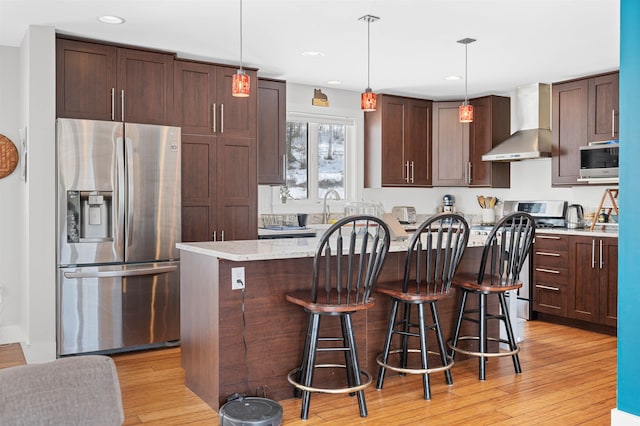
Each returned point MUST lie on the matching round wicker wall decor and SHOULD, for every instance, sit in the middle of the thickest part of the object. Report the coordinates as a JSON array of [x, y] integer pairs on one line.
[[8, 156]]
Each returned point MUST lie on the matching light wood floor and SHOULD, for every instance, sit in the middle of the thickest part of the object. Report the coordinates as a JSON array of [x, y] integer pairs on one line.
[[568, 378]]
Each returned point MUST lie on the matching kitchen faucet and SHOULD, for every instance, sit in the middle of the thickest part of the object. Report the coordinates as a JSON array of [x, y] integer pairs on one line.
[[325, 207]]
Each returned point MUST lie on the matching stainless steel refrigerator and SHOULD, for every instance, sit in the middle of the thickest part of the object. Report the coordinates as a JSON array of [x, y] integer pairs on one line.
[[118, 222]]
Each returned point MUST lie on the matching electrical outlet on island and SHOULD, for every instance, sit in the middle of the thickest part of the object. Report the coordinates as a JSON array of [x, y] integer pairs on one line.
[[237, 278]]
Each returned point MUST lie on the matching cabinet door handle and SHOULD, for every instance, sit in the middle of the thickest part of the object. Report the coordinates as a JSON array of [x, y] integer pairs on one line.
[[221, 118], [222, 235], [213, 125], [543, 253], [593, 254], [113, 104], [549, 271], [548, 237], [406, 173], [613, 123], [601, 260], [546, 287], [469, 168], [122, 104], [213, 235], [413, 170]]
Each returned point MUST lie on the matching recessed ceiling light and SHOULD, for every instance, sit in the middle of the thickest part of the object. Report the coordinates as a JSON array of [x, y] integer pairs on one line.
[[334, 82], [453, 77], [111, 19], [310, 53]]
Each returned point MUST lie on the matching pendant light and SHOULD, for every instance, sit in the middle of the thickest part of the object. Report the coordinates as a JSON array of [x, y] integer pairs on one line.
[[368, 98], [240, 83], [465, 111]]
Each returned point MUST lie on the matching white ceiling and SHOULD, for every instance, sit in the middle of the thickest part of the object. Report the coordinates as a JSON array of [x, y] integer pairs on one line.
[[413, 45]]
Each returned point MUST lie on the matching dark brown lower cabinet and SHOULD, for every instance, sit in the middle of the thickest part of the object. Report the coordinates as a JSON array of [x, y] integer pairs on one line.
[[593, 296], [576, 278]]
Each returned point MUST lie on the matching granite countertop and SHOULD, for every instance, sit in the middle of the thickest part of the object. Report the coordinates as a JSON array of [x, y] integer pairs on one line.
[[286, 248], [610, 231], [291, 248]]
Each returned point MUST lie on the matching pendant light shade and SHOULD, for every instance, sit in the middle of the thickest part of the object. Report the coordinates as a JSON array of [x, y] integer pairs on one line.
[[368, 97], [368, 101], [465, 111], [240, 84]]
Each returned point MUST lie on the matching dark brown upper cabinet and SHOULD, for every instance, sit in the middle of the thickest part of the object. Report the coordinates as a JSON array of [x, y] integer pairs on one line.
[[458, 147], [398, 143], [584, 110], [272, 124], [103, 82], [204, 104]]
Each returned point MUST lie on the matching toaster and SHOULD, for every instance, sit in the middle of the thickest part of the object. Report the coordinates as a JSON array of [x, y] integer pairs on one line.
[[404, 214]]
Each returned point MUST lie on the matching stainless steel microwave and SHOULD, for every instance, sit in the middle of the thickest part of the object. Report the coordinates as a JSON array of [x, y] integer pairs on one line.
[[599, 161]]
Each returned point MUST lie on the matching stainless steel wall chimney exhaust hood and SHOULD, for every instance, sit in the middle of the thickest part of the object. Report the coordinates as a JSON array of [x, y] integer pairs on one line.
[[533, 116]]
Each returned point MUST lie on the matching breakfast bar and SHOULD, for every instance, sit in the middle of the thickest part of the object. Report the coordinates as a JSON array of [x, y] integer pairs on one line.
[[247, 340]]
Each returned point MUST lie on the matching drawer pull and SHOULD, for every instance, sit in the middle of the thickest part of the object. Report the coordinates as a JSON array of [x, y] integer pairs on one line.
[[548, 237], [546, 287], [542, 253], [551, 271]]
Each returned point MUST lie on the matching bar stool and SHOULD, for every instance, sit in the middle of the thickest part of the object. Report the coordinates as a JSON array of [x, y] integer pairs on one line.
[[504, 253], [347, 262], [432, 258]]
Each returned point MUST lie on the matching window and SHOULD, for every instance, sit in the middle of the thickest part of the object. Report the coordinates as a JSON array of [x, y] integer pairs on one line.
[[317, 156]]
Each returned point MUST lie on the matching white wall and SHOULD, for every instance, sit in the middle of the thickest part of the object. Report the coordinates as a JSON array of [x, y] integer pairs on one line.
[[12, 196], [530, 179], [38, 70], [27, 246]]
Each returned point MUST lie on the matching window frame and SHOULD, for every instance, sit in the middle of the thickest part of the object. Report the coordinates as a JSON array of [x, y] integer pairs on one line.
[[350, 168]]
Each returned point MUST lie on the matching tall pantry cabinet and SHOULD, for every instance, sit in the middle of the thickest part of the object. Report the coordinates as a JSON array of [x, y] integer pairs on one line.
[[219, 161]]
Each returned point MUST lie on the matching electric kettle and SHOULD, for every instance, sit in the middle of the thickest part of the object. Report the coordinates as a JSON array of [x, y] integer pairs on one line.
[[575, 216]]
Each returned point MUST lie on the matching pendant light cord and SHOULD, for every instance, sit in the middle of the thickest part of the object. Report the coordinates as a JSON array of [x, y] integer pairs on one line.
[[240, 35], [368, 53], [466, 50]]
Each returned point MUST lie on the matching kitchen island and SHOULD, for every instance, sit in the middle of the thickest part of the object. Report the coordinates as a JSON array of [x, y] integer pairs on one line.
[[247, 341]]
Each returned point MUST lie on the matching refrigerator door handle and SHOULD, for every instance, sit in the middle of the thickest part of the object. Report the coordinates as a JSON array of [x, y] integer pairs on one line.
[[130, 192], [127, 273], [118, 231]]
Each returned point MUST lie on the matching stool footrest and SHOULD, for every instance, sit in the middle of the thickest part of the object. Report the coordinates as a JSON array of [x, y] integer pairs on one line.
[[483, 354], [352, 389], [408, 370]]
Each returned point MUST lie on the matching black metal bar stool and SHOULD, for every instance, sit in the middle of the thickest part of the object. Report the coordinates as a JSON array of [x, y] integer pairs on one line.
[[347, 263], [504, 253], [432, 258]]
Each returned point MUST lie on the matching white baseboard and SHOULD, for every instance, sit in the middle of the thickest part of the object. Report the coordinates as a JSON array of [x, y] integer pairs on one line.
[[622, 418]]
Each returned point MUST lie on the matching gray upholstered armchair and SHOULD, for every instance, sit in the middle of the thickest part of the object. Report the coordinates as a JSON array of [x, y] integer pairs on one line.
[[81, 390]]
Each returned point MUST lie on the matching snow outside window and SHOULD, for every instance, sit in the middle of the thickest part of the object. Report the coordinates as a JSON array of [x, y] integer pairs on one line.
[[316, 157]]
